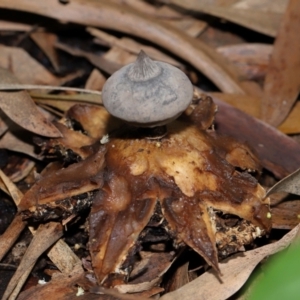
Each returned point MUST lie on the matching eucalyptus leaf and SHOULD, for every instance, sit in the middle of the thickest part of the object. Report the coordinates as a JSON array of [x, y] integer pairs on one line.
[[289, 184], [20, 108]]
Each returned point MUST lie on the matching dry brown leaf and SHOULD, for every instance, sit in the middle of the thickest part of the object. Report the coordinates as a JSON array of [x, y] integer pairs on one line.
[[60, 254], [14, 26], [45, 236], [189, 25], [62, 286], [98, 61], [95, 81], [19, 107], [277, 6], [20, 169], [289, 184], [282, 83], [235, 271], [276, 151], [131, 46], [291, 125], [157, 264], [266, 22], [147, 8], [26, 69], [3, 123], [15, 141], [251, 59], [46, 42], [253, 88], [111, 16], [113, 294], [119, 56], [251, 105]]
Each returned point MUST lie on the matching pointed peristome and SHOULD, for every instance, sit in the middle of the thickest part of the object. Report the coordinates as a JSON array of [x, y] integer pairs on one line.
[[144, 68]]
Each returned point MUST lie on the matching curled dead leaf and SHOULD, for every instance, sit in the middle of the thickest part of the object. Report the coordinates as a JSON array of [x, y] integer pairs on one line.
[[19, 107]]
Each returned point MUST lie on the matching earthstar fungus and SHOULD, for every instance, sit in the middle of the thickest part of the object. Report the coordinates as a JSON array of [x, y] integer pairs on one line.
[[147, 93], [191, 183], [185, 177]]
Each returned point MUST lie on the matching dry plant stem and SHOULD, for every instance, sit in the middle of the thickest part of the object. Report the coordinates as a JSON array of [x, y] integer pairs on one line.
[[116, 17], [14, 192], [89, 98], [20, 283], [9, 237], [282, 83], [45, 236], [20, 86]]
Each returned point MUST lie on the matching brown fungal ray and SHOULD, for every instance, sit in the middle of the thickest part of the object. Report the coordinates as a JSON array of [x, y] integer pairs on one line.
[[76, 179], [116, 222], [188, 173], [190, 221], [236, 153]]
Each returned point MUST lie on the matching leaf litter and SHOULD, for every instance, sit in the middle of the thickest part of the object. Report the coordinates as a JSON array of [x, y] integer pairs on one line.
[[54, 194]]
